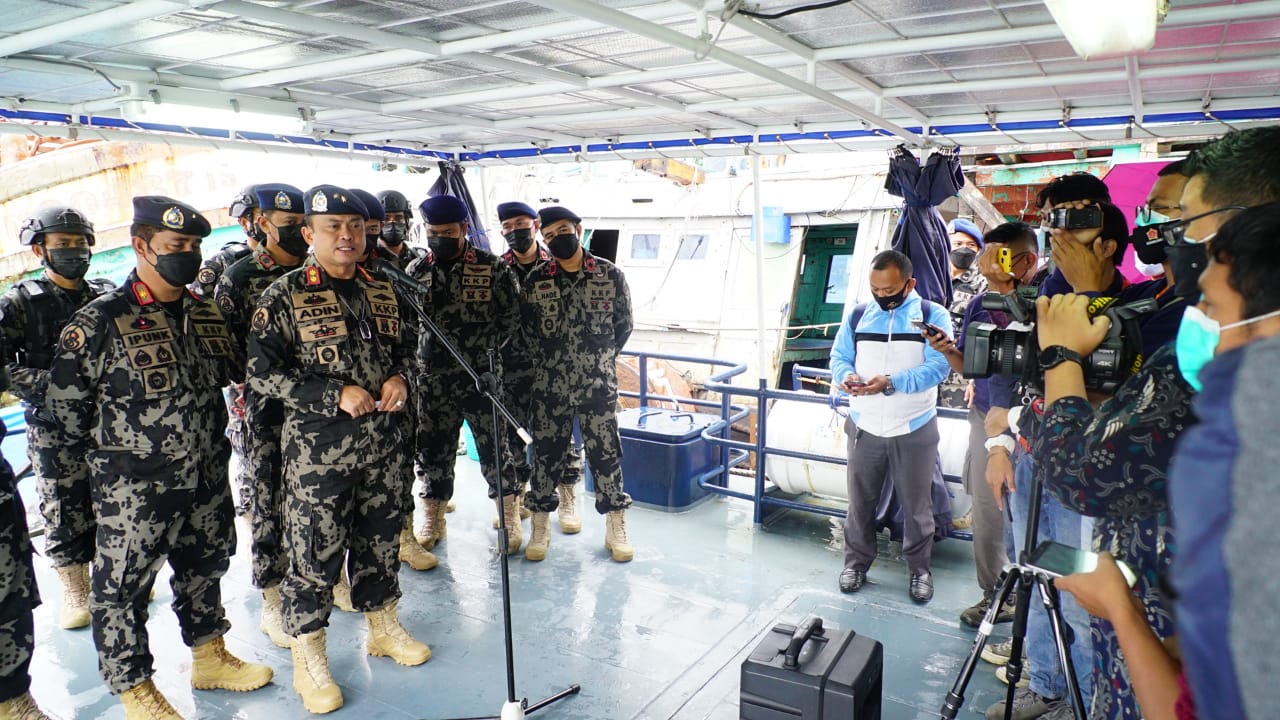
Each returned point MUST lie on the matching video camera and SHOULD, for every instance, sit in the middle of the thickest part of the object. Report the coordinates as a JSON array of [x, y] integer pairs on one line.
[[990, 350]]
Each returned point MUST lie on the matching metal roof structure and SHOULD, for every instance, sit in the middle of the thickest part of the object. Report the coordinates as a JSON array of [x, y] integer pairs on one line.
[[528, 80]]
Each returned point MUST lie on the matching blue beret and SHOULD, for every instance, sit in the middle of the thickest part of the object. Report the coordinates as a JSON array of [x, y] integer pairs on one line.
[[333, 200], [169, 214], [509, 210], [278, 196], [960, 225], [555, 213], [443, 209], [371, 203]]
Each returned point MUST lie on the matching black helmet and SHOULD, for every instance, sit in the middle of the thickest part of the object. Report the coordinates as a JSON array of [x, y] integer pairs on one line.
[[395, 201], [245, 201], [55, 218]]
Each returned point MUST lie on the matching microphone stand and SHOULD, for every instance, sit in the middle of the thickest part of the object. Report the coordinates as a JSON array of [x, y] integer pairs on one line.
[[489, 386]]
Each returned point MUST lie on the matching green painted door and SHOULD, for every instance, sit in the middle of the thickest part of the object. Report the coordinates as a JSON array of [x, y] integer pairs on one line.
[[820, 291]]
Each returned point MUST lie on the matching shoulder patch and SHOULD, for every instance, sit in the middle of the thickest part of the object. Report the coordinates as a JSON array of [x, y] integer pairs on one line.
[[206, 275], [226, 303], [261, 317], [73, 337]]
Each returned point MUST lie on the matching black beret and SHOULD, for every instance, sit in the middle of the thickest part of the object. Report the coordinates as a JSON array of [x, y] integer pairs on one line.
[[509, 210], [169, 214], [371, 203], [443, 210], [333, 200], [278, 196], [555, 213]]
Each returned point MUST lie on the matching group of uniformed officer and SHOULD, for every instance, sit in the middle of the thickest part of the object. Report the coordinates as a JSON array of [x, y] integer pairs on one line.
[[330, 374]]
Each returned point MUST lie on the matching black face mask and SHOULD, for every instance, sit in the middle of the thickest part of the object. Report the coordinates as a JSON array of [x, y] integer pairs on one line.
[[371, 242], [393, 234], [70, 263], [564, 245], [1187, 261], [889, 302], [962, 258], [178, 269], [1152, 253], [520, 239], [443, 247], [291, 240]]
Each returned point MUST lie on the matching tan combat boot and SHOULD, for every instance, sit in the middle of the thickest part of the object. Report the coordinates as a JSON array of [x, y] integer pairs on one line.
[[214, 668], [525, 513], [570, 523], [75, 596], [145, 702], [450, 506], [539, 537], [342, 594], [22, 707], [388, 638], [272, 623], [311, 678], [515, 534], [431, 530], [413, 553], [615, 536]]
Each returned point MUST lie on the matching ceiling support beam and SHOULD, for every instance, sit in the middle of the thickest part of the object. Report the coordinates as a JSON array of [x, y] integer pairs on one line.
[[58, 32]]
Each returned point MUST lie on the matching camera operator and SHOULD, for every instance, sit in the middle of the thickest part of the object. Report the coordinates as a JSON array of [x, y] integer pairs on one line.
[[1112, 463], [1015, 244]]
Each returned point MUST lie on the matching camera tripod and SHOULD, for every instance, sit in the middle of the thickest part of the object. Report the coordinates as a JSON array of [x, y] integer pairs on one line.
[[1019, 579]]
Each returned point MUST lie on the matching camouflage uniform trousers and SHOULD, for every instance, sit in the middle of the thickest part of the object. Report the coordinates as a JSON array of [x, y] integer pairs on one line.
[[151, 509], [18, 593], [519, 399], [452, 398], [553, 442], [347, 510], [236, 429], [264, 480], [62, 483]]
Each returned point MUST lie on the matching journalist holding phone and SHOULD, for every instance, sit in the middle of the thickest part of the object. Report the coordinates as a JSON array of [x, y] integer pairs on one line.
[[882, 360]]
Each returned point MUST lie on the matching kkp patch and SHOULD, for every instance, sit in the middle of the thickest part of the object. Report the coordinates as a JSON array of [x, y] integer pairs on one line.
[[206, 276], [73, 337], [261, 317]]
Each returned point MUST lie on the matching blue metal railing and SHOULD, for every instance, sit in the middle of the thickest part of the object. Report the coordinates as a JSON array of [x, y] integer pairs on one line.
[[734, 453]]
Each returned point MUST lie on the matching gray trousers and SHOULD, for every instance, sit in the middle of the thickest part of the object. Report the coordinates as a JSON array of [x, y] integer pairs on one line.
[[988, 521], [908, 462]]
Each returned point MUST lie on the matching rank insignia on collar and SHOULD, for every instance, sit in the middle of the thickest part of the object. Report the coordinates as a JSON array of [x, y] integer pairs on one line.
[[265, 259], [173, 218], [282, 201], [143, 294], [552, 267], [470, 256], [319, 202], [589, 265], [313, 272]]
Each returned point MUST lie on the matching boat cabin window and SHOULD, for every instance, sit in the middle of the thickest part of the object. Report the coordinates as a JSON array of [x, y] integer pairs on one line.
[[692, 247], [644, 246]]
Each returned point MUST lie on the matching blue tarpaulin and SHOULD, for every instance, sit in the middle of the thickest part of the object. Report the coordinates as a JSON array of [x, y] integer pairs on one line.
[[921, 234], [451, 182]]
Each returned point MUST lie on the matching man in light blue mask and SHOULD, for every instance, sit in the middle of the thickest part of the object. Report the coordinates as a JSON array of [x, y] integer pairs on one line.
[[1112, 463]]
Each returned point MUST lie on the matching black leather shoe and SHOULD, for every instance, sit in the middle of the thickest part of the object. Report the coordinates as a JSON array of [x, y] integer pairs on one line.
[[852, 580], [921, 587]]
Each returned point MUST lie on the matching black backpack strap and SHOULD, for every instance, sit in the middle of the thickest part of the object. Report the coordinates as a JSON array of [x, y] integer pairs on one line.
[[855, 316]]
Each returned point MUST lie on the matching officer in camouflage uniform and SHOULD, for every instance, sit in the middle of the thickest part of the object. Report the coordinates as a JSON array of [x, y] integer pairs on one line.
[[326, 340], [136, 388], [966, 283], [392, 245], [578, 309], [279, 224], [524, 252], [475, 302], [32, 314], [18, 597]]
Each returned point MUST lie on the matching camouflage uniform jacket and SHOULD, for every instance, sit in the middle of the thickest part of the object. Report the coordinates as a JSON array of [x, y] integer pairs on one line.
[[239, 288], [475, 301], [307, 341], [32, 315], [579, 322], [213, 268], [518, 360], [131, 380], [401, 261]]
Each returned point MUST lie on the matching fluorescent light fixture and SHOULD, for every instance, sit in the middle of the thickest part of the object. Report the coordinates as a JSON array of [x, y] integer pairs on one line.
[[1100, 29], [147, 111]]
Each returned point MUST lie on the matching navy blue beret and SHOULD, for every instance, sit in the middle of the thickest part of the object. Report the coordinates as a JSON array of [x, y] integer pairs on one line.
[[278, 196], [169, 214], [371, 203], [509, 210], [555, 213], [960, 225], [333, 200], [443, 210]]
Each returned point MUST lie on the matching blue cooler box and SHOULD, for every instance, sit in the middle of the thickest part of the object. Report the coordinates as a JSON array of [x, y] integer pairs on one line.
[[662, 455]]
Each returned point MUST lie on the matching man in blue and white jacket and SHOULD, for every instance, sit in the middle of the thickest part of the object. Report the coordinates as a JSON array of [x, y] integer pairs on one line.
[[892, 374]]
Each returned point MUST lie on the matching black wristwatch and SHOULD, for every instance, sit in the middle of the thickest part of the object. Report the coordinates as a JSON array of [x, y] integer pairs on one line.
[[1055, 355], [889, 389]]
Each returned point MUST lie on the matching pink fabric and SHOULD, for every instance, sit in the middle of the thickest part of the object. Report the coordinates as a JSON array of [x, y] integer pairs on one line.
[[1185, 707]]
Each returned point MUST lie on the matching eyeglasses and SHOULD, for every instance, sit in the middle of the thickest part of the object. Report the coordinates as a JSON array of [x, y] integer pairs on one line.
[[1152, 214], [1175, 232]]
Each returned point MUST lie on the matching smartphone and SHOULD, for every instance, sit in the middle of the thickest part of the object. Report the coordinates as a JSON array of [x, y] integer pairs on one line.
[[926, 327], [1089, 216], [855, 384], [1058, 560]]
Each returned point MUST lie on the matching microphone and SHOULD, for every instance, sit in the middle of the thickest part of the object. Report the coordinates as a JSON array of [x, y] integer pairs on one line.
[[390, 272]]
